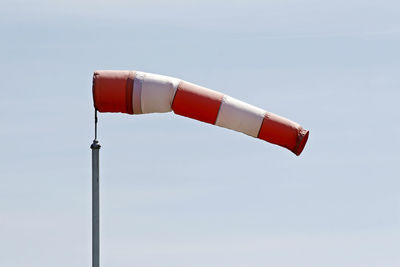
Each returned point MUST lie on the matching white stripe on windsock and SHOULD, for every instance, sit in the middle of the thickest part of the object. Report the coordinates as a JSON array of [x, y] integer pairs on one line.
[[240, 116], [157, 92], [137, 93]]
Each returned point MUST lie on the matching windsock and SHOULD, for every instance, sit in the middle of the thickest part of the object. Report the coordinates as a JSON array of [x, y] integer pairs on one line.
[[135, 92]]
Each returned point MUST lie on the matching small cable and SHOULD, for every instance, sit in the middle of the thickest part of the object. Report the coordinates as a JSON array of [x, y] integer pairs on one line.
[[95, 124]]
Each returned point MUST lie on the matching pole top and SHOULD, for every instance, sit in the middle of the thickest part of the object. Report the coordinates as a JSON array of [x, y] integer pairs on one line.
[[95, 145]]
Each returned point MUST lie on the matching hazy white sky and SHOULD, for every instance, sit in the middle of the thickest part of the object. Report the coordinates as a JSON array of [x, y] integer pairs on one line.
[[177, 192]]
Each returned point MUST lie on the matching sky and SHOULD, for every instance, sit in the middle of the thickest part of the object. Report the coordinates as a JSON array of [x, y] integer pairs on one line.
[[178, 192]]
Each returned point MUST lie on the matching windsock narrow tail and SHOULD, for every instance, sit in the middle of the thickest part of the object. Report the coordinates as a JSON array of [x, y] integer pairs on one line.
[[135, 92]]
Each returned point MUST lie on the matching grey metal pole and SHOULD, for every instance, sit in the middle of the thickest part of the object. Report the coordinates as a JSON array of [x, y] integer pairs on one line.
[[95, 200], [95, 205]]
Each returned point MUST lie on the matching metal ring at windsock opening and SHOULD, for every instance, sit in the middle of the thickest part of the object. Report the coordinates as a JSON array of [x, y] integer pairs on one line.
[[135, 92]]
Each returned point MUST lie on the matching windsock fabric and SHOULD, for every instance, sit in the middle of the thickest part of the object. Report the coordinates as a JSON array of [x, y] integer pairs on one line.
[[135, 92]]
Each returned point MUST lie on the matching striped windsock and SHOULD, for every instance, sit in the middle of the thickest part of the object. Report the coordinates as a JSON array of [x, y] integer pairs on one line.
[[136, 92]]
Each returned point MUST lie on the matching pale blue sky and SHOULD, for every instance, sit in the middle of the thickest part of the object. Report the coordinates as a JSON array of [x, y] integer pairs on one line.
[[178, 192]]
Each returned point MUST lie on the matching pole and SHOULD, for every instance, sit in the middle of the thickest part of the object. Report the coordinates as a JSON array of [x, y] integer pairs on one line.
[[95, 200]]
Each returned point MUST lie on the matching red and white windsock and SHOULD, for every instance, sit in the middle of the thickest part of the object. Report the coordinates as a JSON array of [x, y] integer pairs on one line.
[[135, 92]]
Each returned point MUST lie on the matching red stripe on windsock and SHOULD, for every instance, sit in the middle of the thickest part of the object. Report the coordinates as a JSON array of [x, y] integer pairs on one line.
[[129, 92], [197, 102], [283, 132], [112, 91]]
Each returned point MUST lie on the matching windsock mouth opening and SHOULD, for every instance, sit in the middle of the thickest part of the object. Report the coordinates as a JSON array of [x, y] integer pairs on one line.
[[302, 140]]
